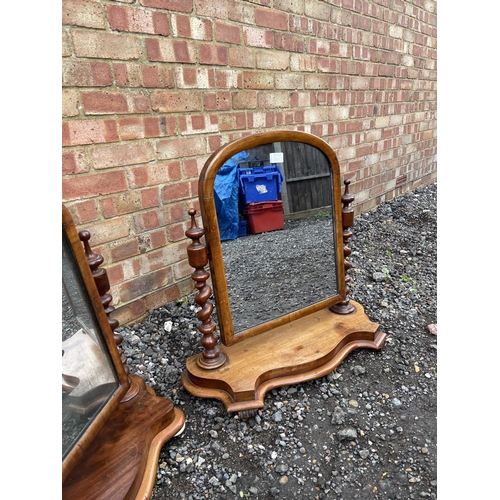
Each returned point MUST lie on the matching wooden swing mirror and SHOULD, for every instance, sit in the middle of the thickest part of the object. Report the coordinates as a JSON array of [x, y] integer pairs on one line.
[[287, 331], [113, 424]]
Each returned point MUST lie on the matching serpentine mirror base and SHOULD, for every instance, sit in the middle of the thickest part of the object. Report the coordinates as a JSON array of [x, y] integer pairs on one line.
[[305, 349], [122, 459]]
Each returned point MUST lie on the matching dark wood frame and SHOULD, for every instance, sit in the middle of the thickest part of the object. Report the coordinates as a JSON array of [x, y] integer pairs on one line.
[[212, 236]]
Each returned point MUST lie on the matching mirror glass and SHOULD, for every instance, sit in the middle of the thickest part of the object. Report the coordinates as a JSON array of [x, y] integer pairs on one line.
[[88, 375], [274, 205]]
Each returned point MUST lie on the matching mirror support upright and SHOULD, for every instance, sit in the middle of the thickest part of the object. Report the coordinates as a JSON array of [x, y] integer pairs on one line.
[[345, 307], [211, 357]]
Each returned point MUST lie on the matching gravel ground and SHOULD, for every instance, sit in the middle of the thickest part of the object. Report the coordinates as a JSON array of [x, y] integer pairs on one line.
[[367, 430]]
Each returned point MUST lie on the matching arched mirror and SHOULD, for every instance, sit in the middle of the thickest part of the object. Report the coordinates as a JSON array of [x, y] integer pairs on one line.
[[255, 277], [276, 225]]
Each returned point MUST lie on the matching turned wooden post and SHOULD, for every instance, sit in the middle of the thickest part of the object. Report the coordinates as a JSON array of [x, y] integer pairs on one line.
[[345, 307], [210, 358], [102, 282]]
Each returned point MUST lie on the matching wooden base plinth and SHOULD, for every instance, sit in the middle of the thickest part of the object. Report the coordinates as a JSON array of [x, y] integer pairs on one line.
[[122, 460], [302, 350]]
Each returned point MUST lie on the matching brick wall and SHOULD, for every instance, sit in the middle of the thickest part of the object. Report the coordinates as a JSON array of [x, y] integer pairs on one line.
[[152, 87]]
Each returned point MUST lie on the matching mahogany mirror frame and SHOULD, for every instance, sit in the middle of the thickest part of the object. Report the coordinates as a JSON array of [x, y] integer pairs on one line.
[[213, 241], [76, 453]]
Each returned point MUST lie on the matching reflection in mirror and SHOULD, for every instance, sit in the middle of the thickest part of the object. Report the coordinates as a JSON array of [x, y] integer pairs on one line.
[[88, 375], [274, 209]]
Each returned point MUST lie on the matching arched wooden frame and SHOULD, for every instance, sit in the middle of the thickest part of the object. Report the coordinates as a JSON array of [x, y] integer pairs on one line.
[[212, 235]]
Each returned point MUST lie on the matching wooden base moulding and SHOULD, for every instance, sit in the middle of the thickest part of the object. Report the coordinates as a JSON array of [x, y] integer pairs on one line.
[[302, 350], [122, 460]]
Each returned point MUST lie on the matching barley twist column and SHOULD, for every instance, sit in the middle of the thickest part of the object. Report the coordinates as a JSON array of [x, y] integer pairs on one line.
[[345, 307], [210, 358]]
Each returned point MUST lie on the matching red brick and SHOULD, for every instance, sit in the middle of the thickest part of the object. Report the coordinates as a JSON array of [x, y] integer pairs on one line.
[[86, 74], [105, 45], [161, 23], [270, 18], [227, 33], [258, 80], [158, 238], [87, 186], [83, 13], [121, 204], [154, 174], [289, 42], [178, 51], [84, 212], [241, 57], [182, 26], [115, 274], [147, 221], [104, 102], [217, 101], [181, 147], [135, 75], [144, 284], [121, 155], [256, 37], [177, 5], [385, 70], [124, 250], [172, 102], [79, 132], [214, 8], [75, 161], [192, 167], [139, 127], [232, 121], [364, 150], [175, 213], [176, 232], [174, 192], [154, 76], [210, 54], [150, 198]]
